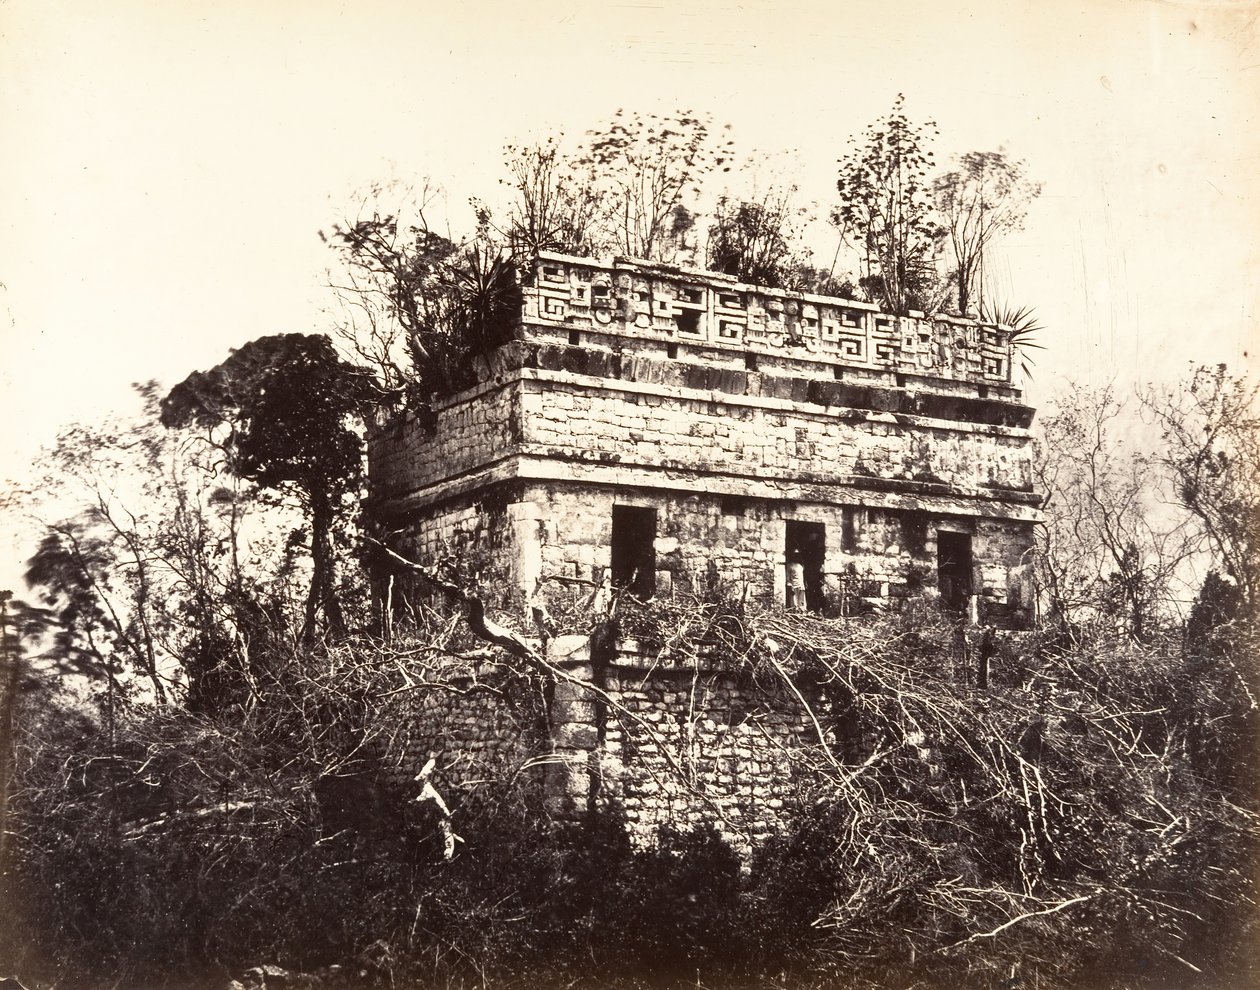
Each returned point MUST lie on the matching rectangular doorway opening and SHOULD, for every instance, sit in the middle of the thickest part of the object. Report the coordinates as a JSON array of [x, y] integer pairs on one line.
[[687, 321], [805, 549], [634, 550], [953, 568]]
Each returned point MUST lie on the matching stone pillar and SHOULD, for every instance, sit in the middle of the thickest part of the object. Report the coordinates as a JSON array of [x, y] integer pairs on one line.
[[776, 533], [575, 730], [524, 525]]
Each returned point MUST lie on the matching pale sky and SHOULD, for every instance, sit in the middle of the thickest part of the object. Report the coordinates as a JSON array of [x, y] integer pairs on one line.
[[167, 166]]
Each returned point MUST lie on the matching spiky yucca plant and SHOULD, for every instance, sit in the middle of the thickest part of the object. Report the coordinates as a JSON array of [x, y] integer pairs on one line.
[[1024, 325]]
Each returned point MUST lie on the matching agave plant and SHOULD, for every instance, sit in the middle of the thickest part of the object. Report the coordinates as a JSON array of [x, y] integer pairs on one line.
[[489, 293], [1023, 324]]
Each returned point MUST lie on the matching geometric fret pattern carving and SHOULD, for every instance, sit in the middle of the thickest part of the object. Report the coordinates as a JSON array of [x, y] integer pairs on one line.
[[634, 298]]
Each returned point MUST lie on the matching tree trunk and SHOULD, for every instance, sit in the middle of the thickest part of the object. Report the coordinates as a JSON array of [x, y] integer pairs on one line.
[[964, 289], [322, 594]]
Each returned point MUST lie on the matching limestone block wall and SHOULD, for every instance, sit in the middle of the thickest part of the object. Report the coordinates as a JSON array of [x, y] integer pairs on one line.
[[634, 363], [697, 746], [660, 743], [731, 410], [701, 544], [894, 552], [666, 429], [488, 541], [468, 537], [512, 540], [709, 544], [1003, 547], [806, 382], [654, 743], [482, 727], [478, 427]]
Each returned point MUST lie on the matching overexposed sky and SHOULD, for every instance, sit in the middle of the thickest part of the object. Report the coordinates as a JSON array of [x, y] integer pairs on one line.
[[166, 166]]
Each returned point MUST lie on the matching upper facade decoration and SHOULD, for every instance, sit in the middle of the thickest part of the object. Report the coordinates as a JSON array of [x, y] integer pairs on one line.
[[633, 298]]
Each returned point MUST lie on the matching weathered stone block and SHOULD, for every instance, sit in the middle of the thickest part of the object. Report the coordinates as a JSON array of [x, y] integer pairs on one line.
[[581, 736]]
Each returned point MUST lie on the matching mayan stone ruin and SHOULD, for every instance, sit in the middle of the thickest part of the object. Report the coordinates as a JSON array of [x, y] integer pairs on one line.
[[672, 432]]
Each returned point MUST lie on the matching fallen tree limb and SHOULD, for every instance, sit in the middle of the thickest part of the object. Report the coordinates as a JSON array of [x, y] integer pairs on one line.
[[1016, 920]]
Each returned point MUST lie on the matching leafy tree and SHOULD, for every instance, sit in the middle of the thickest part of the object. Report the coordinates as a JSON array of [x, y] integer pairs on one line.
[[150, 569], [287, 405], [554, 205], [393, 285], [648, 171], [758, 238], [985, 197], [70, 570], [427, 307], [755, 239], [1210, 442], [885, 207], [112, 576], [1110, 548], [422, 306], [1217, 607]]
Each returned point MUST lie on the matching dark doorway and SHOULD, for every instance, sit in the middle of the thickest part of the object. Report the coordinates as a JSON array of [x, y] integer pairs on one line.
[[634, 550], [953, 568], [805, 548]]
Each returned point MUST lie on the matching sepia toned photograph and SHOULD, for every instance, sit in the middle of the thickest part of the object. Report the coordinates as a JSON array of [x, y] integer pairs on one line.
[[630, 496]]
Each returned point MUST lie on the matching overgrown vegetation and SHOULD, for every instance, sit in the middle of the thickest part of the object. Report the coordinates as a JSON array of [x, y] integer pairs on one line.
[[277, 409], [1085, 821], [986, 196], [1087, 818]]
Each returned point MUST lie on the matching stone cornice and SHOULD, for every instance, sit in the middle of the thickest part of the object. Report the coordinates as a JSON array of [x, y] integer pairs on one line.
[[524, 464]]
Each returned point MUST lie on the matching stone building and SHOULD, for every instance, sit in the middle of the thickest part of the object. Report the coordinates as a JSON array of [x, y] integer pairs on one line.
[[671, 431], [675, 430]]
